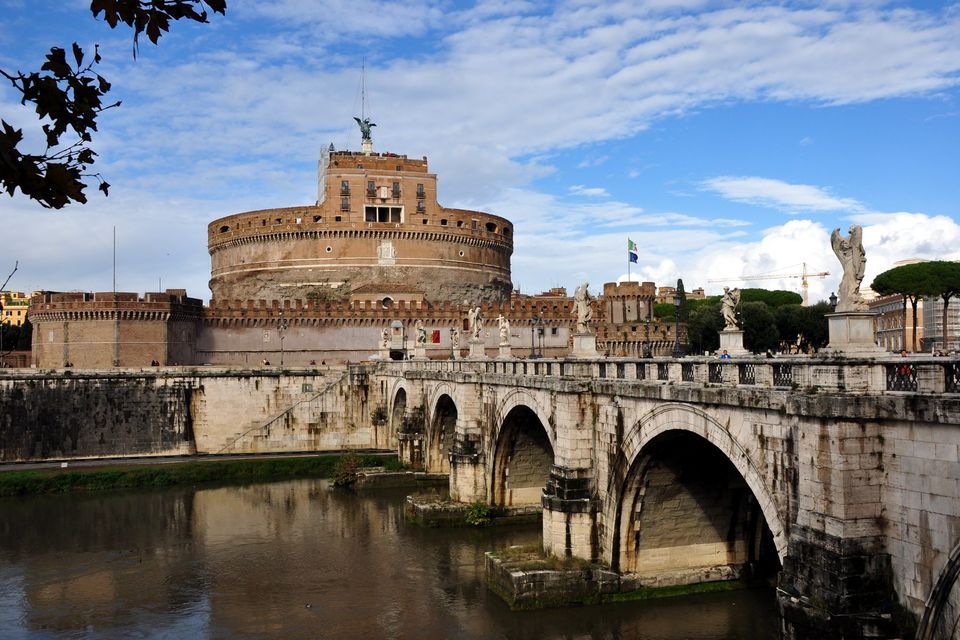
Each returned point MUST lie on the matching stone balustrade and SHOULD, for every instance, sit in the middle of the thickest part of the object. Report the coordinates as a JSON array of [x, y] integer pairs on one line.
[[894, 374]]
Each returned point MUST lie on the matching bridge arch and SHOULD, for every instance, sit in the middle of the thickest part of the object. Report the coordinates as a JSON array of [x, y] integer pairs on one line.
[[441, 425], [677, 456], [522, 452], [399, 398], [941, 612]]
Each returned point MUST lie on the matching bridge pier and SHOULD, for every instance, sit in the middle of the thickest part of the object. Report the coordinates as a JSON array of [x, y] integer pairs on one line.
[[468, 466], [570, 514]]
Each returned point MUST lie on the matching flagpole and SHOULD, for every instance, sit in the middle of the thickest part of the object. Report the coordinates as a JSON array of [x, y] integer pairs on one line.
[[628, 259]]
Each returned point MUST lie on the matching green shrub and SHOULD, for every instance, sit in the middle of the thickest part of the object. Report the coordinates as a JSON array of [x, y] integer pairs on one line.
[[478, 514]]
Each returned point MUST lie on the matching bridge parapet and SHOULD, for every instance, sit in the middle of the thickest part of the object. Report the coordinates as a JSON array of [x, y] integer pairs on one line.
[[915, 375]]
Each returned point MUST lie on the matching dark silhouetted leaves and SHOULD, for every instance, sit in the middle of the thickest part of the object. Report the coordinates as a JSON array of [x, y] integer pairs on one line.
[[71, 98]]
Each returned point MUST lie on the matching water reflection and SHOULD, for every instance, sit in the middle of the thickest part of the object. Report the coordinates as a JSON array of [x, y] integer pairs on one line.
[[292, 559]]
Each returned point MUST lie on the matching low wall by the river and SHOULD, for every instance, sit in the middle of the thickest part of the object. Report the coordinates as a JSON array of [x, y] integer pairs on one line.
[[71, 413]]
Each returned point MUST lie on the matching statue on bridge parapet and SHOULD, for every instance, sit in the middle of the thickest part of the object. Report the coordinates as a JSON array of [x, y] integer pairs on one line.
[[455, 343], [504, 326], [731, 337], [475, 320], [729, 302], [851, 326], [583, 308], [584, 340], [853, 259]]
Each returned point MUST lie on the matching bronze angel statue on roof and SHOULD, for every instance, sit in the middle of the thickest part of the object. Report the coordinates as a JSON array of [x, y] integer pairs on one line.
[[365, 127]]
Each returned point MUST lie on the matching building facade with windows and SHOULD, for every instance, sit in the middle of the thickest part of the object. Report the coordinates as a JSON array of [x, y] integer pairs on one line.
[[933, 323], [894, 327], [13, 307]]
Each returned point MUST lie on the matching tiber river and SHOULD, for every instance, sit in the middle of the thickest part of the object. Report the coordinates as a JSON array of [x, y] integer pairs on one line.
[[293, 560]]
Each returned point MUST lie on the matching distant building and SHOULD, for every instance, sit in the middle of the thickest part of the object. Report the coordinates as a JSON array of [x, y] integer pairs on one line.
[[665, 294], [933, 325], [894, 331], [13, 307]]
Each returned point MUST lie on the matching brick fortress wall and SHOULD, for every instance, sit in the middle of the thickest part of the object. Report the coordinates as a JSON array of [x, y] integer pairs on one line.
[[108, 329]]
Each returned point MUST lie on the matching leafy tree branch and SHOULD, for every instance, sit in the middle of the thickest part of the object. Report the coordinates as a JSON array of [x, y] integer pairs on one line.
[[68, 96]]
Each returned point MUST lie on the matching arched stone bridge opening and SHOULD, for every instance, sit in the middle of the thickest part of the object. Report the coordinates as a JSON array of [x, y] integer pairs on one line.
[[521, 461], [685, 515]]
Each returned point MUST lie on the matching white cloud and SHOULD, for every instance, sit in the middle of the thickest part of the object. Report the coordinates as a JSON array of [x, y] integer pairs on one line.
[[779, 194], [592, 192]]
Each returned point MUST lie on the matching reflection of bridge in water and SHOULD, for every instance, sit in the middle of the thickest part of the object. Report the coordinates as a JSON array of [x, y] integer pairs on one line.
[[842, 475]]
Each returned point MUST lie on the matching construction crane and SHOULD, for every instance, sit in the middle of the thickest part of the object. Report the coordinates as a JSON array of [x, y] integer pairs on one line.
[[803, 275]]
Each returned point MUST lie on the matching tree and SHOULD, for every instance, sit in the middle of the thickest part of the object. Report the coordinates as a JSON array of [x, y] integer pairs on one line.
[[68, 96], [759, 327], [704, 326], [773, 299], [807, 323], [682, 294], [936, 278]]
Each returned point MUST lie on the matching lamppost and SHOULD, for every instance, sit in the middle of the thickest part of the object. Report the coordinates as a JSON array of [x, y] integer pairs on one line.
[[677, 349], [647, 350], [833, 300], [534, 321], [281, 331]]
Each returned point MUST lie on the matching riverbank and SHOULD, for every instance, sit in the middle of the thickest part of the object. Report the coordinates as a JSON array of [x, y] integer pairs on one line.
[[131, 475]]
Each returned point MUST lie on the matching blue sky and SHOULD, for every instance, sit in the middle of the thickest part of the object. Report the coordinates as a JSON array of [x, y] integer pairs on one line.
[[726, 139]]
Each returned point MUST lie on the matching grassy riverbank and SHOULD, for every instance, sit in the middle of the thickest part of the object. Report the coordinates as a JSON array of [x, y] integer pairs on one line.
[[132, 476]]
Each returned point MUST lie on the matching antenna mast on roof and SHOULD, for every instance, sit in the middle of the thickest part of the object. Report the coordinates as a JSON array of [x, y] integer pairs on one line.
[[366, 140]]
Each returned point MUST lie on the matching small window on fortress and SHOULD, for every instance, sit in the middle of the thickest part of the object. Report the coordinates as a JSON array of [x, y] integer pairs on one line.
[[474, 224], [506, 231], [459, 223], [443, 222], [338, 219], [491, 227], [299, 220], [461, 254], [263, 223], [317, 218], [399, 167], [554, 331], [371, 189], [424, 221], [224, 229], [329, 249], [344, 187], [279, 220], [420, 193]]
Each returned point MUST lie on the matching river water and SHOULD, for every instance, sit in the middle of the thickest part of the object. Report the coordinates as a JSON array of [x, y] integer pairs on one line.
[[294, 560]]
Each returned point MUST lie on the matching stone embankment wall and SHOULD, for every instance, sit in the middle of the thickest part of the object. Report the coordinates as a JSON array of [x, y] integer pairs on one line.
[[127, 412]]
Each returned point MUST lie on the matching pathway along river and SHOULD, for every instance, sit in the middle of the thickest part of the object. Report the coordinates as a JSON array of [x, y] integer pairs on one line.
[[293, 560]]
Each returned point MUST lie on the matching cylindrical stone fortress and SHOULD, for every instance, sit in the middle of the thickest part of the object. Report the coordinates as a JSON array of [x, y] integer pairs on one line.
[[377, 225]]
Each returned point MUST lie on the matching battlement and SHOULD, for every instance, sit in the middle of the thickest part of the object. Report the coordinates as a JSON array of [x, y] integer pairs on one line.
[[152, 305], [635, 289], [376, 161], [366, 311]]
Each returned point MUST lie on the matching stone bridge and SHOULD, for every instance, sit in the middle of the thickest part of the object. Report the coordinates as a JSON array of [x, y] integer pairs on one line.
[[838, 475]]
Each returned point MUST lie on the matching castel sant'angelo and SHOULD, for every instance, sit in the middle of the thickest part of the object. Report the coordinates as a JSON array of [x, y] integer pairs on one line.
[[346, 278]]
